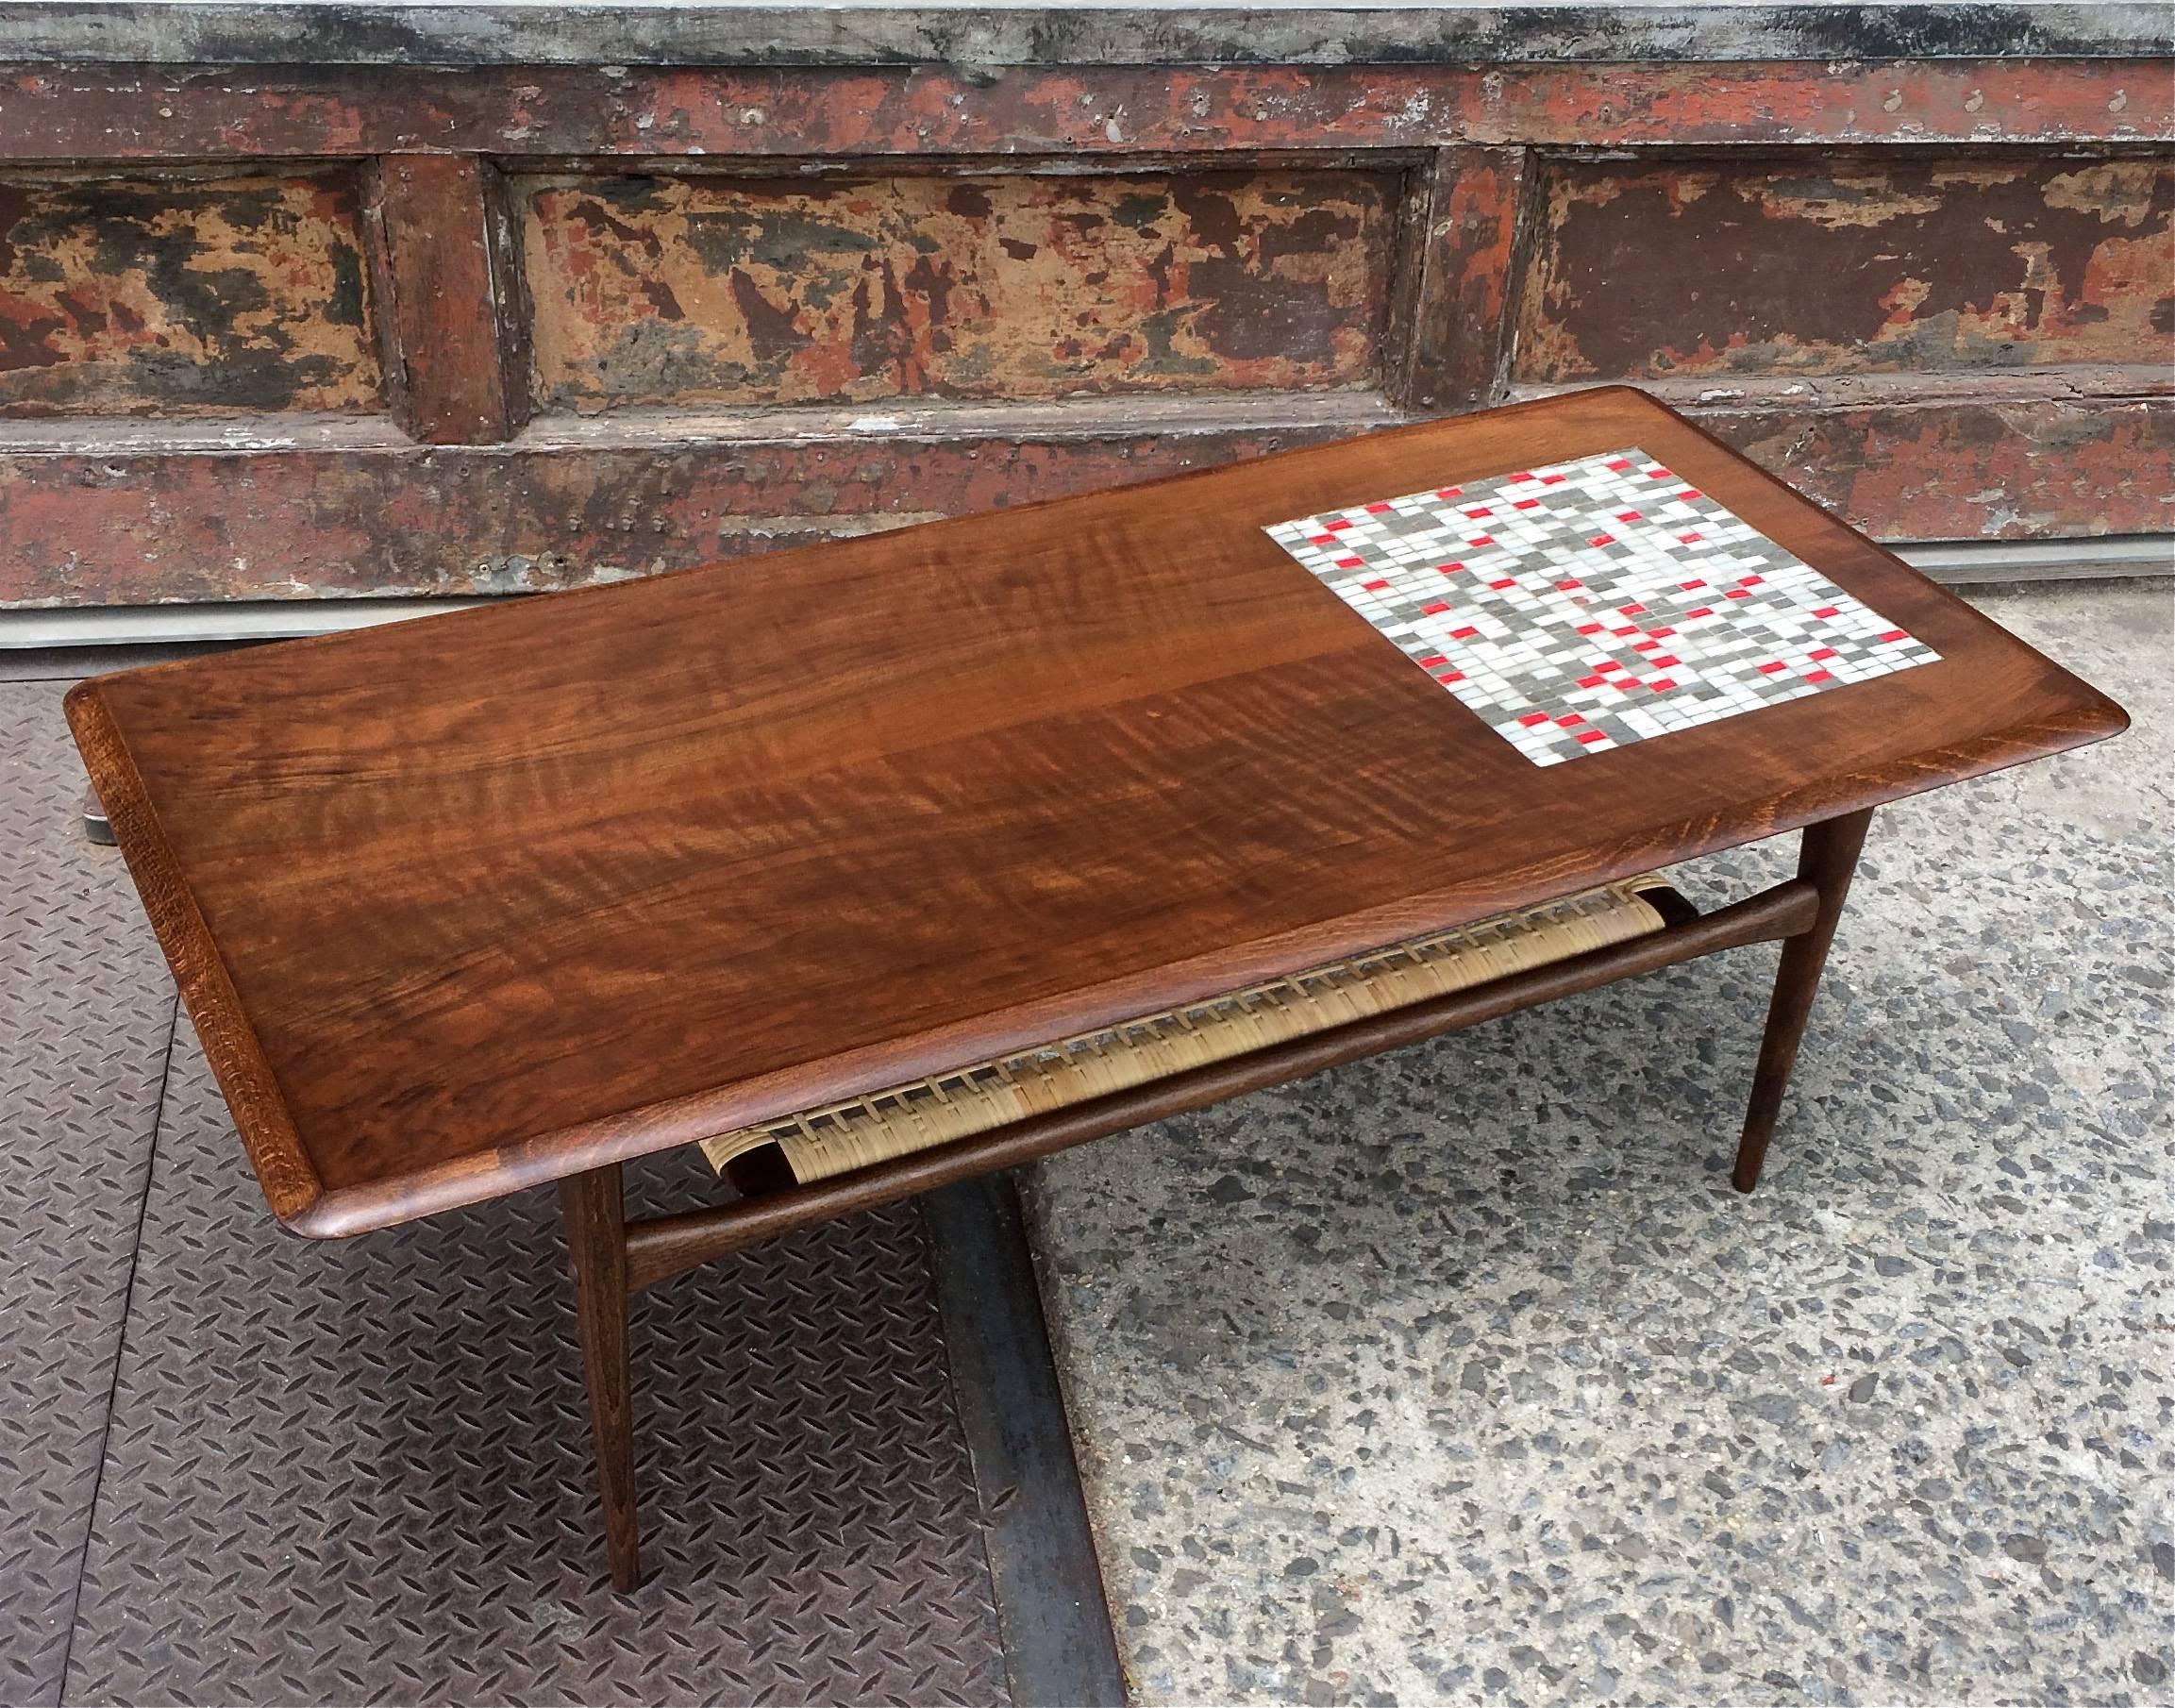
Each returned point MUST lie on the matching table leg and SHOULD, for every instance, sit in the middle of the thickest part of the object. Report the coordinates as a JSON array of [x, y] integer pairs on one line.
[[596, 1237], [1827, 857], [96, 826]]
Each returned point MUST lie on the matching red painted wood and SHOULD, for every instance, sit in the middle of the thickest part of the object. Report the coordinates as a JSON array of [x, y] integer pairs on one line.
[[450, 323], [128, 524], [115, 112], [1460, 333]]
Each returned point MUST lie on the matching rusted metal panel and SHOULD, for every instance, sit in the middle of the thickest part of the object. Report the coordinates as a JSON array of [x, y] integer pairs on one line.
[[135, 112], [676, 290], [1891, 263], [144, 526], [178, 295]]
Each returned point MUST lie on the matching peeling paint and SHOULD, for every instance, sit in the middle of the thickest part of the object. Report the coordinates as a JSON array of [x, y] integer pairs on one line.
[[2021, 470], [121, 297], [90, 530], [1171, 272], [415, 32], [140, 528], [1871, 265], [133, 113], [666, 290]]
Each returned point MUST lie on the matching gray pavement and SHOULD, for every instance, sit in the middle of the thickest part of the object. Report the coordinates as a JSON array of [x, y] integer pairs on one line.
[[1463, 1376]]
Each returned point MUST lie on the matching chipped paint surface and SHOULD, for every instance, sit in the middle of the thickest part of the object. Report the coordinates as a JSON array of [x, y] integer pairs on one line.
[[47, 113], [856, 32], [715, 306], [1457, 337], [183, 296], [2026, 469], [146, 526], [141, 528], [669, 289], [1874, 266]]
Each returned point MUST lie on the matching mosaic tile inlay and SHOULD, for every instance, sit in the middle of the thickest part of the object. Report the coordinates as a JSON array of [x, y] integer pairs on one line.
[[1591, 604]]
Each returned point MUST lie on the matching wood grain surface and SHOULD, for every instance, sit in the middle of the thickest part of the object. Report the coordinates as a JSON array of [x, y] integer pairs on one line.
[[468, 903]]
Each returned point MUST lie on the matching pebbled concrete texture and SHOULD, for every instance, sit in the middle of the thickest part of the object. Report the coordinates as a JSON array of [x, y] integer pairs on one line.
[[1463, 1376]]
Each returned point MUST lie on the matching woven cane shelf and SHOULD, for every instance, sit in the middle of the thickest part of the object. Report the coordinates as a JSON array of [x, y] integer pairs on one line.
[[839, 1138]]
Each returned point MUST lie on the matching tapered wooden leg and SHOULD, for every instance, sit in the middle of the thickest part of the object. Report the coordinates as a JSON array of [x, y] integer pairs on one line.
[[1827, 855], [596, 1236]]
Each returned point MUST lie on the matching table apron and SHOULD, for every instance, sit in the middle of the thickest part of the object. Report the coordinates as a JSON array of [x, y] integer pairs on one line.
[[661, 1247]]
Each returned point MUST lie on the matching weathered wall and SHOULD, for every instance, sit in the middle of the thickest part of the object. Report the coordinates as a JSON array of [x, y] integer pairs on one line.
[[680, 289], [346, 330], [1849, 264], [164, 295]]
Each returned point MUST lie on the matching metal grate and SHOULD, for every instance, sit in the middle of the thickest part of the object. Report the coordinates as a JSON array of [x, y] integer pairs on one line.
[[86, 1020]]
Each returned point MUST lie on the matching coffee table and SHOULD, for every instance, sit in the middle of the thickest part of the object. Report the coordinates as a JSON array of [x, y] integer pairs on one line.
[[466, 905]]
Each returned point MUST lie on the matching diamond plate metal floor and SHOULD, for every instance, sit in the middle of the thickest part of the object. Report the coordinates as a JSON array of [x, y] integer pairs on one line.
[[86, 1020], [358, 1471]]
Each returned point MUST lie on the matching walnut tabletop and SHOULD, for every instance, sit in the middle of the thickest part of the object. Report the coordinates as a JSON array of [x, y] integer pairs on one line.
[[480, 901]]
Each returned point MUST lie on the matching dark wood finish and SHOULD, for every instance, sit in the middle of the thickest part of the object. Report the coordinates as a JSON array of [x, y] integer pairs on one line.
[[471, 903], [1827, 858], [444, 280], [595, 1214], [663, 1246]]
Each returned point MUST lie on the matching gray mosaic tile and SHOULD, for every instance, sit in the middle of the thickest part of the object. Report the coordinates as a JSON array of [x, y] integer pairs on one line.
[[1581, 606]]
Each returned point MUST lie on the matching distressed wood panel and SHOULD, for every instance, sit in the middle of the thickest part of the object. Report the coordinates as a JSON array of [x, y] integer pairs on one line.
[[184, 296], [1458, 341], [460, 376], [122, 527], [2019, 469], [1886, 264], [676, 290], [275, 507], [143, 527]]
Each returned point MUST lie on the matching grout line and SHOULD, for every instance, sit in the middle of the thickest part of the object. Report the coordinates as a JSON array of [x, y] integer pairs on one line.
[[121, 1338]]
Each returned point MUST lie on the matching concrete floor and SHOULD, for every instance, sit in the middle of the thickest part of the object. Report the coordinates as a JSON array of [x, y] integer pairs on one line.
[[1463, 1376]]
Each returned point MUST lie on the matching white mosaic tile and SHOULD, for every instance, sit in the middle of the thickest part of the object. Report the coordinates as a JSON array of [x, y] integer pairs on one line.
[[1592, 604]]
